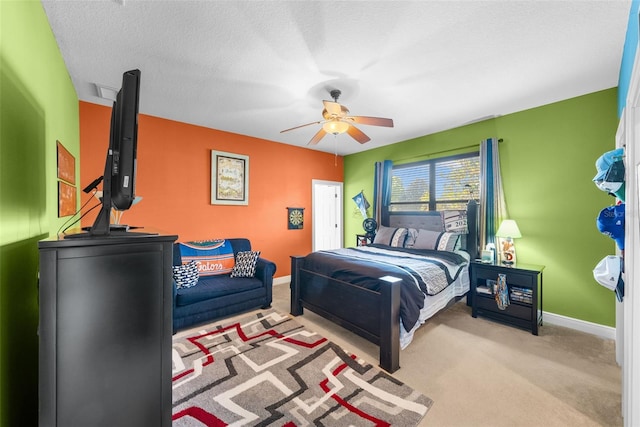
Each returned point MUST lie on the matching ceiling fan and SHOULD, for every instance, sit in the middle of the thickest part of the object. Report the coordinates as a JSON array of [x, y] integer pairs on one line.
[[337, 120]]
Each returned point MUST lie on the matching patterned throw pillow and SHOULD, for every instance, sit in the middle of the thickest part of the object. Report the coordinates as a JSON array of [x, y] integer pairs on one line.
[[412, 235], [434, 240], [448, 241], [186, 275], [390, 236], [213, 257], [245, 264], [455, 221]]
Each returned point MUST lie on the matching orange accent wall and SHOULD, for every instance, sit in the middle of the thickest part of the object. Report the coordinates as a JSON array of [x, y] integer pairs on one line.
[[174, 181]]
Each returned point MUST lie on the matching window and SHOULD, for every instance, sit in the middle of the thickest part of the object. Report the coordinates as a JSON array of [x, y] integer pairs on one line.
[[436, 184]]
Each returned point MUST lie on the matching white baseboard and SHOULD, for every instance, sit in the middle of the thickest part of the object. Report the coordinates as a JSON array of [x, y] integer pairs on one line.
[[601, 331], [281, 280]]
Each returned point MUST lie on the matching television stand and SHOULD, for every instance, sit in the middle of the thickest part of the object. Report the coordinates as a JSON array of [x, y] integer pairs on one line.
[[119, 227], [105, 331]]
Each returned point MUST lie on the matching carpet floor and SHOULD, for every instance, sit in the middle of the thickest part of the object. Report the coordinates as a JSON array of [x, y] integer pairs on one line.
[[266, 369], [483, 373]]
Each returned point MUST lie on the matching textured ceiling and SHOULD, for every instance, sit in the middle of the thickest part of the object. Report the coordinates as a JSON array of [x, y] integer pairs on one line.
[[258, 67]]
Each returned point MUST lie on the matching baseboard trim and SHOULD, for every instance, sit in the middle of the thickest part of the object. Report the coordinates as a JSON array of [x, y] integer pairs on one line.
[[281, 280], [601, 331]]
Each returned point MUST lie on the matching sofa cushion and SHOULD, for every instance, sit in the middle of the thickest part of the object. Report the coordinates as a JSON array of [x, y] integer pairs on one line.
[[186, 275], [213, 257], [245, 264], [213, 287]]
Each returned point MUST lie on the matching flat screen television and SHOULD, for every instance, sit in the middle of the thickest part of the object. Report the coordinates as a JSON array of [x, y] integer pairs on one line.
[[119, 179]]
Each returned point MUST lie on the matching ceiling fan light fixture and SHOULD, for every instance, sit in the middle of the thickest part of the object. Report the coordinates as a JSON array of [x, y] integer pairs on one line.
[[335, 127], [337, 120]]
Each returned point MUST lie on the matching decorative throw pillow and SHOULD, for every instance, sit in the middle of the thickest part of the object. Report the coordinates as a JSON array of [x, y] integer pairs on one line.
[[436, 240], [245, 264], [455, 221], [390, 236], [213, 257], [427, 239], [186, 275], [410, 240], [448, 241]]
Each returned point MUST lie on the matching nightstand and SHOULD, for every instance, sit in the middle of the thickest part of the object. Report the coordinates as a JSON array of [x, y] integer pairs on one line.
[[364, 239], [524, 284]]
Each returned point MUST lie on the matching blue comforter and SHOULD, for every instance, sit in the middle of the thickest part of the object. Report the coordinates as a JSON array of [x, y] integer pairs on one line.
[[422, 272]]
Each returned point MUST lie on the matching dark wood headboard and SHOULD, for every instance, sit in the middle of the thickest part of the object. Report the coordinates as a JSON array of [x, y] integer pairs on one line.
[[432, 220]]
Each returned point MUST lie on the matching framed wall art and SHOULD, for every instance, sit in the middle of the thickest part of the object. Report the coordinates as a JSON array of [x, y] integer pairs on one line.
[[66, 199], [295, 218], [66, 164], [229, 178]]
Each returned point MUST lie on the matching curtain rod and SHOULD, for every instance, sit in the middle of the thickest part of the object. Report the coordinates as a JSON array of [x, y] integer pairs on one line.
[[426, 156]]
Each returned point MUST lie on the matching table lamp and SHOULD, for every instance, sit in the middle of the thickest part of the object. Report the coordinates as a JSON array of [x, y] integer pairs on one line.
[[508, 231]]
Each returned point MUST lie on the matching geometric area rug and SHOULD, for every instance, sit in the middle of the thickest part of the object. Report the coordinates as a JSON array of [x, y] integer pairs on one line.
[[268, 370]]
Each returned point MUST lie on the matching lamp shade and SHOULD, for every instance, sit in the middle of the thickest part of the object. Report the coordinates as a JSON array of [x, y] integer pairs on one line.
[[335, 126], [508, 228]]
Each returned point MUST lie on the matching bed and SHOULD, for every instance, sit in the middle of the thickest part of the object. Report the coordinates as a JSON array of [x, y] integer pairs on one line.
[[385, 291]]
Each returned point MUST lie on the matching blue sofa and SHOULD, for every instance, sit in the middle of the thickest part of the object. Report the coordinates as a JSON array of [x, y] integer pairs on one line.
[[219, 296]]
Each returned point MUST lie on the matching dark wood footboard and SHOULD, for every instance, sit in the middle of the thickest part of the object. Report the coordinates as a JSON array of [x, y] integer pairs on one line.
[[373, 315]]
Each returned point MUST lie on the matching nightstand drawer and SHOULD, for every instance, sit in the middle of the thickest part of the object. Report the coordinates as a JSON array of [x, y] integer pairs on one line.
[[523, 312]]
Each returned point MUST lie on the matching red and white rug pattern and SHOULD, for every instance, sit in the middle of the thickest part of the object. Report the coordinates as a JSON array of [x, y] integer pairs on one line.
[[268, 370]]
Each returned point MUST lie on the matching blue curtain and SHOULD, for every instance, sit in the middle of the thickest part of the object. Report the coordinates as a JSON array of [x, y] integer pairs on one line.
[[382, 188], [493, 208]]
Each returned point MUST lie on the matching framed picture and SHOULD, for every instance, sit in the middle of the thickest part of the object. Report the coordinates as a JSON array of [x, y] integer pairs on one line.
[[295, 218], [66, 199], [66, 164], [229, 178]]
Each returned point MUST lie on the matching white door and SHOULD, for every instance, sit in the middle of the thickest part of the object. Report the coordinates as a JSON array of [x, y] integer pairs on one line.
[[629, 331], [327, 215]]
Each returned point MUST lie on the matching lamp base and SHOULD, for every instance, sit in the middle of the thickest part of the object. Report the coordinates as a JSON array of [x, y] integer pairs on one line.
[[508, 252]]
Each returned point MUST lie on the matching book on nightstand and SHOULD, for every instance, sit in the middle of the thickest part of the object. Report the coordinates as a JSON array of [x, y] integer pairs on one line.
[[483, 290]]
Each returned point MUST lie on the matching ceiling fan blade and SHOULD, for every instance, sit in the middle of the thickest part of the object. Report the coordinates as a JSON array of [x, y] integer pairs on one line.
[[357, 134], [333, 108], [374, 121], [317, 137], [301, 126]]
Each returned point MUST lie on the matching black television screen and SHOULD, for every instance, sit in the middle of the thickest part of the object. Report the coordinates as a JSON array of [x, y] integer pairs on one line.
[[124, 141], [119, 184]]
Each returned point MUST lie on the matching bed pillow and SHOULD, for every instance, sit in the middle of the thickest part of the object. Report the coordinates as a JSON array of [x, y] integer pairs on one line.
[[410, 240], [390, 236], [448, 241], [455, 221], [436, 240], [186, 275], [245, 264]]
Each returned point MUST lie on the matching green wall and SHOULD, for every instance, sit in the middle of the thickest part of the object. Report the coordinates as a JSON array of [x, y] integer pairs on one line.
[[547, 163], [38, 105]]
